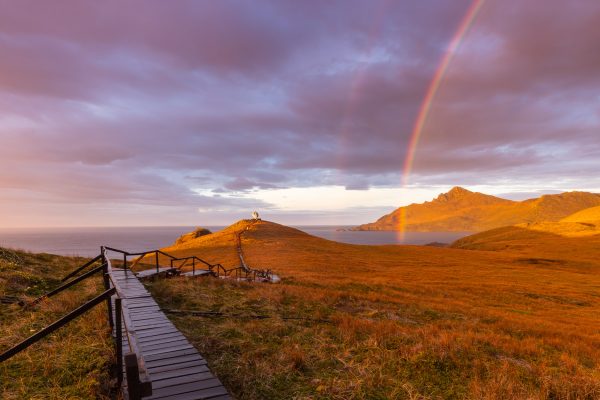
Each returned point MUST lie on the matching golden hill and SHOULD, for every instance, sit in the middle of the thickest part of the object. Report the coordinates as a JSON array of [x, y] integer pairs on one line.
[[355, 321], [546, 243], [589, 215], [463, 210], [582, 223]]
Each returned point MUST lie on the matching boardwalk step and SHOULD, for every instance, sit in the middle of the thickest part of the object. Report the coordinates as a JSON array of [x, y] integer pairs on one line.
[[174, 367]]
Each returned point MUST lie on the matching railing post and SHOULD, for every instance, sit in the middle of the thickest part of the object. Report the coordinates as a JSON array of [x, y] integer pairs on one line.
[[136, 388], [133, 376], [194, 266], [119, 339], [125, 264], [156, 259], [106, 279], [111, 321]]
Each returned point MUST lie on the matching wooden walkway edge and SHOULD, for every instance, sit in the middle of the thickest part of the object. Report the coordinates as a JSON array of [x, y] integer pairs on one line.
[[175, 368]]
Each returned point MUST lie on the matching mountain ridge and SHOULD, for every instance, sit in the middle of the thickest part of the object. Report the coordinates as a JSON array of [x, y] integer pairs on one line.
[[463, 210]]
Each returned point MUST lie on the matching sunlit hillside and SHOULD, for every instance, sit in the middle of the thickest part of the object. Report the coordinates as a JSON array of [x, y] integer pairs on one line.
[[589, 215], [463, 210], [351, 321], [582, 223]]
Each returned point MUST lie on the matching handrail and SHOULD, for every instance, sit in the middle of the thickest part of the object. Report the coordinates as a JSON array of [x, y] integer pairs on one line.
[[241, 272], [87, 264], [139, 385], [56, 325], [68, 284], [157, 252], [261, 273]]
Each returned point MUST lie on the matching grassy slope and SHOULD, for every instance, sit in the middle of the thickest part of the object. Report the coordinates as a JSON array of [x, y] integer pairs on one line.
[[588, 215], [579, 224], [406, 321], [70, 363]]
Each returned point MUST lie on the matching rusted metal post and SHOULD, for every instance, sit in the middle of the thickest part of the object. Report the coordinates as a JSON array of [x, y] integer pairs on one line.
[[119, 339]]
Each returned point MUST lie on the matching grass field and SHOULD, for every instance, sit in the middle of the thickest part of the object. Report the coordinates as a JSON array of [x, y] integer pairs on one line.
[[405, 322], [506, 314], [72, 363]]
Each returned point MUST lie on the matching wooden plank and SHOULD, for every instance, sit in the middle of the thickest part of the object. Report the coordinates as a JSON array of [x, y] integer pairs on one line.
[[165, 342], [150, 341], [173, 367], [148, 318], [170, 361], [182, 349], [199, 272], [192, 388], [182, 379], [151, 322], [168, 350], [156, 332], [150, 327], [159, 376], [174, 355], [158, 338]]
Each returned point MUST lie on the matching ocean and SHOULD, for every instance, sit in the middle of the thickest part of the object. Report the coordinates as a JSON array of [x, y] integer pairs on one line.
[[86, 242]]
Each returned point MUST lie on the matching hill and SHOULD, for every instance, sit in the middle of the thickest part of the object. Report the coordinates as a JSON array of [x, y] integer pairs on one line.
[[463, 210], [589, 215], [582, 223], [355, 321], [544, 243]]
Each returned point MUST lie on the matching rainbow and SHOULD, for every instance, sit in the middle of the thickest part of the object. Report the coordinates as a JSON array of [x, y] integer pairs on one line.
[[432, 90]]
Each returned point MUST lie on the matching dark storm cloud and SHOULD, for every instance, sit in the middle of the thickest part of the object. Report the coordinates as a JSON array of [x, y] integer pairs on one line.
[[153, 102]]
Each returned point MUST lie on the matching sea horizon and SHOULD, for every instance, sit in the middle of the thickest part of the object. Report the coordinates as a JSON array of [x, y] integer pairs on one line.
[[86, 241]]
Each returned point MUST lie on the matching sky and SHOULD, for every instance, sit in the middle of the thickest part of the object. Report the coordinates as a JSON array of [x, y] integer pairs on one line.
[[128, 113]]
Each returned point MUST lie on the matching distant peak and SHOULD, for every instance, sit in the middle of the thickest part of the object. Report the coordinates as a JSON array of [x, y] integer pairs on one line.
[[457, 190], [456, 193]]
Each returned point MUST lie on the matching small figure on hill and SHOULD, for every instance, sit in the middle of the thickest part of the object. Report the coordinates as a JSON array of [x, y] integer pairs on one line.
[[255, 216]]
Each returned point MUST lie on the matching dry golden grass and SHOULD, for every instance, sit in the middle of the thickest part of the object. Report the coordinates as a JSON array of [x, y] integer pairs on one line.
[[588, 215], [73, 362], [405, 321]]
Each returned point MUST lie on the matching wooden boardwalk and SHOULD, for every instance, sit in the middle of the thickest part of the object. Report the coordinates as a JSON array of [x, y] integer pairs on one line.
[[172, 364]]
